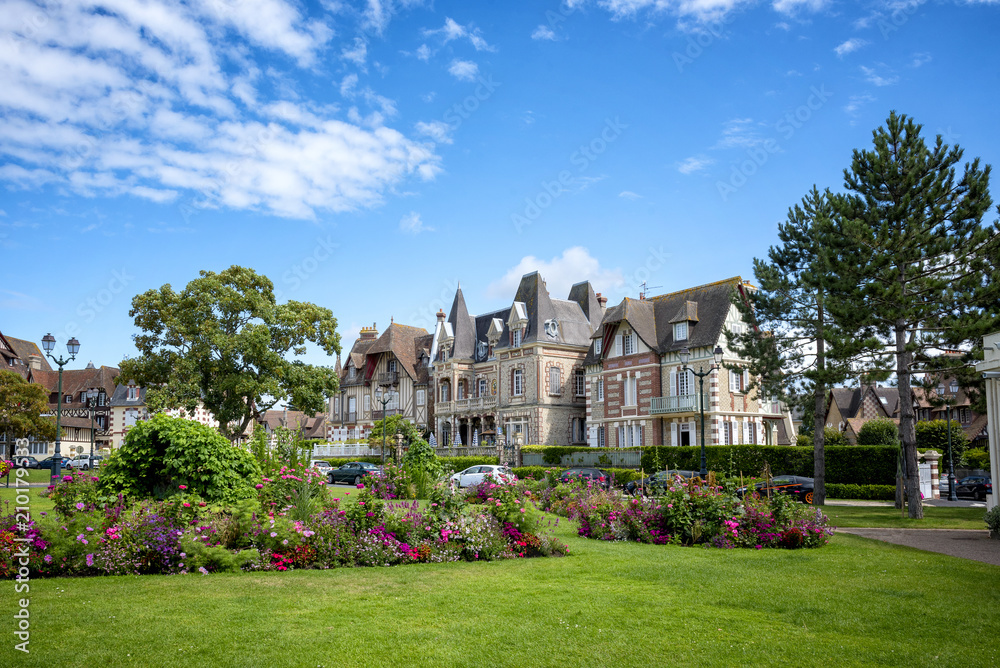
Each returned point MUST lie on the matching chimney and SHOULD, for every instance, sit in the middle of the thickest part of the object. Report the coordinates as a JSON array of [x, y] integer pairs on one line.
[[35, 362], [368, 333], [602, 301], [440, 315]]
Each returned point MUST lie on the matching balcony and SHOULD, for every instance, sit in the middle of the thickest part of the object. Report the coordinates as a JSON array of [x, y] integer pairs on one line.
[[389, 412], [477, 403], [351, 417], [684, 403], [387, 378]]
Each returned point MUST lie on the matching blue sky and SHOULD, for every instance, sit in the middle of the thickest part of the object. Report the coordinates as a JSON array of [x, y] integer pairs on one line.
[[370, 155]]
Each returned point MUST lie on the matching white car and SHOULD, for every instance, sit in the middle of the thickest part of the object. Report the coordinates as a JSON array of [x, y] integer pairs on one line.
[[84, 462], [475, 474], [321, 465]]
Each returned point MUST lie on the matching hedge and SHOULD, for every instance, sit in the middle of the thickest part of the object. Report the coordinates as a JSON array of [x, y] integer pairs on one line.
[[867, 492], [620, 476], [449, 463]]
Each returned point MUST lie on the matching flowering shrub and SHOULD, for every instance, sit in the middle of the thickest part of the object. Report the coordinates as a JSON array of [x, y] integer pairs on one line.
[[78, 491], [294, 491], [5, 467]]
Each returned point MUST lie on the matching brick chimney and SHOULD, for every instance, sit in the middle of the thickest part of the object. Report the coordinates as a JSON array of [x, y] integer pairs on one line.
[[602, 301], [368, 333], [440, 315], [35, 362]]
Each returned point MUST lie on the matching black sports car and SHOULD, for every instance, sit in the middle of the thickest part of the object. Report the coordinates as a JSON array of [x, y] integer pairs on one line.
[[798, 486], [974, 486], [353, 472]]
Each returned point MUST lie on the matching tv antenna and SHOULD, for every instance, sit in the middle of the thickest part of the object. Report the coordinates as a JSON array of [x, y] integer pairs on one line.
[[646, 288]]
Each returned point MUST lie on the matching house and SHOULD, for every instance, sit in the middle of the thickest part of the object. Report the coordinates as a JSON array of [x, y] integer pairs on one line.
[[639, 394], [932, 402], [128, 406], [395, 362], [519, 369], [868, 402], [77, 386], [21, 356], [305, 426]]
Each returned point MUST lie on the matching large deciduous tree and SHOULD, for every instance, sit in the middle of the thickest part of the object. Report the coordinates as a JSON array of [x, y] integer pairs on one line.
[[22, 410], [796, 347], [224, 342], [928, 276]]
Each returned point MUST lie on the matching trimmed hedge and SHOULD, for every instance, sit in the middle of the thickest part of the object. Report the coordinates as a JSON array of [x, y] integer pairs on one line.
[[620, 476], [452, 463], [866, 492]]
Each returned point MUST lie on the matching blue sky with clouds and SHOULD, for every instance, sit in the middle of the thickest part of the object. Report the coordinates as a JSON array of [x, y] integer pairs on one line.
[[370, 155]]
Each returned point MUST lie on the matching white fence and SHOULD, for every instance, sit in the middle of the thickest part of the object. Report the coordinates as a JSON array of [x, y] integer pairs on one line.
[[616, 459], [343, 451]]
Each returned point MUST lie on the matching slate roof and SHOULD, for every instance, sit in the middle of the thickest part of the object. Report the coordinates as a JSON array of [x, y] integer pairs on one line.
[[977, 427], [849, 399], [400, 340], [422, 345], [120, 397], [652, 319], [78, 380], [464, 327]]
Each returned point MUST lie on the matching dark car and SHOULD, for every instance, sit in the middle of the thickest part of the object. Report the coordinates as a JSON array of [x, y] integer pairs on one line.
[[658, 482], [598, 476], [49, 461], [27, 462], [798, 486], [353, 472], [974, 487]]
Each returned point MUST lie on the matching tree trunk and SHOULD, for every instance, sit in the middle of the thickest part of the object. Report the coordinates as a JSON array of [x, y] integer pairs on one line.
[[907, 429]]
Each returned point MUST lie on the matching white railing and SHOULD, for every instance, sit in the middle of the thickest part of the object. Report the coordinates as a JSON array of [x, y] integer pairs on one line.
[[476, 403], [684, 403], [342, 450]]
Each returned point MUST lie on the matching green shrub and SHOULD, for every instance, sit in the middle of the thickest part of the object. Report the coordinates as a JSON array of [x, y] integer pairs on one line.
[[833, 437], [933, 435], [992, 519], [863, 492], [159, 455], [881, 431], [977, 458], [804, 440]]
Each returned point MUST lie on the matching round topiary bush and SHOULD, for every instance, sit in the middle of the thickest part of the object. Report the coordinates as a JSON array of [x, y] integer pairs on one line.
[[158, 456], [880, 431]]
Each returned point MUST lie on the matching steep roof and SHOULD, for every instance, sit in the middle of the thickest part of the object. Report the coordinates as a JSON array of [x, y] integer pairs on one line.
[[463, 326], [78, 380], [538, 305], [26, 349], [422, 347], [399, 340], [120, 397], [357, 358], [584, 295]]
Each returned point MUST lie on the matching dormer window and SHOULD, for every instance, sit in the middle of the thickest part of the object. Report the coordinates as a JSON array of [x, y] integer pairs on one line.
[[597, 346], [515, 338], [351, 373], [626, 342], [680, 331], [133, 393]]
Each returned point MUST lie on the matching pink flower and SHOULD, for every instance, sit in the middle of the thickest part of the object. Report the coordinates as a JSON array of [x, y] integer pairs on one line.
[[274, 534], [202, 570], [90, 560], [182, 487], [47, 558], [186, 504], [259, 486], [80, 506]]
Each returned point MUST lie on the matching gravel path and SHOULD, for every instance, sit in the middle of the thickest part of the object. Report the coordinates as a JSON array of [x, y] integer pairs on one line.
[[966, 544]]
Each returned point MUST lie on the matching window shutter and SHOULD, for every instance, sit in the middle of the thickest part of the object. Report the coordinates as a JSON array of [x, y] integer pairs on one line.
[[672, 390], [618, 345], [746, 380], [511, 382], [733, 381], [746, 432], [674, 440]]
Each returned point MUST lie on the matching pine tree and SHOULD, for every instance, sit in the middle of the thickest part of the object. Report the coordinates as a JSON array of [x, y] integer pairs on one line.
[[797, 351], [928, 276]]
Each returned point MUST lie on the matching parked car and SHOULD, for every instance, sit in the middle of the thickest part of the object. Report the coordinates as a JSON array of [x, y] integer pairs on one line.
[[321, 465], [48, 461], [974, 486], [475, 474], [27, 461], [352, 472], [798, 486], [84, 462], [577, 473], [658, 482]]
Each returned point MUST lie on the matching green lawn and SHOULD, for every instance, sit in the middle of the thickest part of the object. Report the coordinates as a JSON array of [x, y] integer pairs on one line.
[[853, 603], [34, 475], [36, 503], [889, 517]]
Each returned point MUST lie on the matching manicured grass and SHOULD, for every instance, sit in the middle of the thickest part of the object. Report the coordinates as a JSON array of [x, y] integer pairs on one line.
[[36, 503], [854, 602], [889, 517], [34, 475]]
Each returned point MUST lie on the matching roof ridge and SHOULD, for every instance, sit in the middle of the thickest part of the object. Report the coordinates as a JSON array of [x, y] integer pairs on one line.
[[734, 279]]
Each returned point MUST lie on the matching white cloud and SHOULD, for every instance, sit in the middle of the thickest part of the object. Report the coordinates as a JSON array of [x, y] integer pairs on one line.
[[158, 100], [560, 273], [855, 102], [543, 32], [739, 133], [438, 131], [452, 30], [921, 59], [628, 194], [849, 46], [357, 54], [695, 163], [424, 53], [411, 223], [463, 70], [793, 6], [873, 77]]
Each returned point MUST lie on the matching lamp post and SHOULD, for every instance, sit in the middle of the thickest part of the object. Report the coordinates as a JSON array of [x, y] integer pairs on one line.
[[952, 496], [383, 396], [685, 355], [94, 399], [72, 347]]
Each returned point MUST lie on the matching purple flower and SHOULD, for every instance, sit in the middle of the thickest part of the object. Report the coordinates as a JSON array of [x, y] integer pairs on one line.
[[90, 560], [202, 570], [47, 558], [274, 534], [80, 506]]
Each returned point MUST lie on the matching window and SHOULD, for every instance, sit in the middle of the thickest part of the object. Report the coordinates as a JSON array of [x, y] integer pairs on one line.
[[631, 391], [752, 433], [628, 343], [727, 433], [600, 389], [392, 366], [133, 393], [101, 398], [737, 380], [517, 383], [680, 331], [515, 338], [579, 383], [445, 392], [367, 403], [630, 436], [685, 434], [555, 380], [421, 398], [68, 399], [351, 373], [352, 408], [579, 430], [336, 405], [460, 390], [597, 346], [482, 387], [683, 383]]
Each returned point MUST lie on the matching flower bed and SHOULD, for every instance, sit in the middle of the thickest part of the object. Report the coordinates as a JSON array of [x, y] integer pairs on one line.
[[690, 514], [293, 523]]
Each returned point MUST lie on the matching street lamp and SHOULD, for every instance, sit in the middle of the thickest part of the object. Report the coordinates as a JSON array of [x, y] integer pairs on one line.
[[952, 496], [93, 401], [72, 347], [383, 396], [685, 355]]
